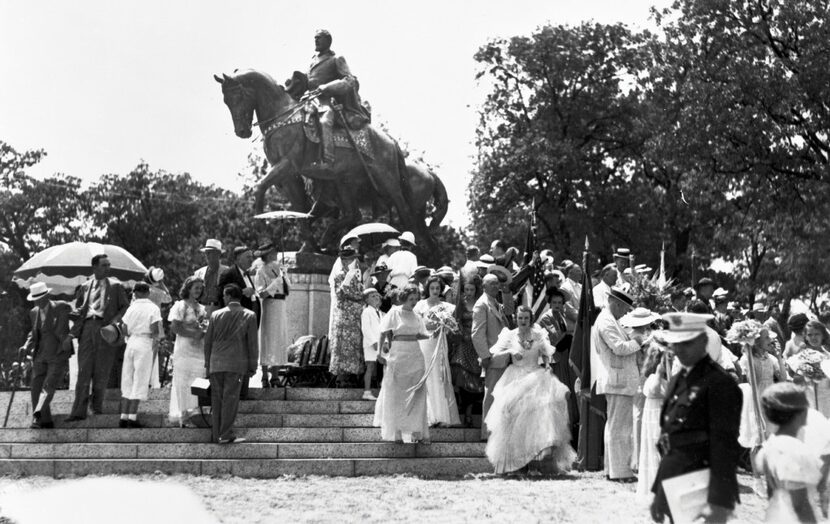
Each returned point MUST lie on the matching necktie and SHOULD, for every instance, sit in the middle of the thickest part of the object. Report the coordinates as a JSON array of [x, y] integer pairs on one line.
[[40, 314], [96, 296]]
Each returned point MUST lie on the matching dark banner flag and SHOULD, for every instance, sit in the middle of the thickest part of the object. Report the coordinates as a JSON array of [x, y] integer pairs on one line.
[[591, 406]]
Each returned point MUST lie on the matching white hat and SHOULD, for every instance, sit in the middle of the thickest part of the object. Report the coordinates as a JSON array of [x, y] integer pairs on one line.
[[347, 237], [501, 272], [720, 293], [369, 290], [155, 274], [407, 236], [38, 290], [642, 268], [392, 242], [212, 244], [683, 327], [639, 317]]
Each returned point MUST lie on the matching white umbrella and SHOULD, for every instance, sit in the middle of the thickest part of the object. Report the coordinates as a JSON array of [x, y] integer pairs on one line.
[[282, 215], [63, 268], [373, 233]]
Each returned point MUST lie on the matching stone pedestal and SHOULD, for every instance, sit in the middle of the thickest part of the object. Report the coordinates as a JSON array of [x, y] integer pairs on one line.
[[308, 305]]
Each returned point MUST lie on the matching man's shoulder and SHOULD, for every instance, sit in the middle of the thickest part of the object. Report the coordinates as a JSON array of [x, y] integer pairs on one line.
[[715, 376], [115, 283]]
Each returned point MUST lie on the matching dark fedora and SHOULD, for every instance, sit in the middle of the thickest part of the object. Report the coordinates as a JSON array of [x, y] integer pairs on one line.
[[622, 296]]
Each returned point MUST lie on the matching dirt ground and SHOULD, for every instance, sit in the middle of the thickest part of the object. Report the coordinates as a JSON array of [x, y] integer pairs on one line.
[[580, 497]]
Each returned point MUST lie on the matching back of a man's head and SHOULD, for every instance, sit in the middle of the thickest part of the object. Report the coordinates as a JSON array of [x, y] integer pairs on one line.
[[232, 291]]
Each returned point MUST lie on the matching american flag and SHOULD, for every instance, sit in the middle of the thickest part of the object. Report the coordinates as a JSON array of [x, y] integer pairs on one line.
[[535, 286]]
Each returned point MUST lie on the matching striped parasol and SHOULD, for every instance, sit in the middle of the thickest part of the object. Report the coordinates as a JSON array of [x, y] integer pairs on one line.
[[63, 268]]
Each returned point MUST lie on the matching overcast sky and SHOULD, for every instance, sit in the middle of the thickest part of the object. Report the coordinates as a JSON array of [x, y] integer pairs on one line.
[[102, 85]]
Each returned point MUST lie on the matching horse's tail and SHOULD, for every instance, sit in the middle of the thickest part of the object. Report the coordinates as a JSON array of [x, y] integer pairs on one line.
[[441, 201]]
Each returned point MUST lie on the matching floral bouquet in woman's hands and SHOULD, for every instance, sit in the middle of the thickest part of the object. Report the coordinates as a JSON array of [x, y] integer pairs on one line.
[[744, 332], [807, 364], [442, 318]]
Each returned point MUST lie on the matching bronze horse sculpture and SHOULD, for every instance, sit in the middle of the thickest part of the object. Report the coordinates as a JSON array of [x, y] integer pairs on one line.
[[383, 183]]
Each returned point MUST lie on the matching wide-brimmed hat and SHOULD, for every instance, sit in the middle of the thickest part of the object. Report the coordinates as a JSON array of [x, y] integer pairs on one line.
[[421, 269], [407, 236], [639, 317], [38, 290], [391, 242], [112, 334], [266, 248], [445, 272], [212, 244], [380, 268], [682, 327], [622, 296], [154, 275], [500, 271], [347, 238], [705, 281]]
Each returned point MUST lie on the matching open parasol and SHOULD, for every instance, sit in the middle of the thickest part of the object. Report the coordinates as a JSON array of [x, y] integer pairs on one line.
[[373, 233], [282, 215], [63, 268]]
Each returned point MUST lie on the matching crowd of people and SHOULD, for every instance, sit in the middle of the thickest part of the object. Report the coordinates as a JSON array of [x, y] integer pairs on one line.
[[697, 383]]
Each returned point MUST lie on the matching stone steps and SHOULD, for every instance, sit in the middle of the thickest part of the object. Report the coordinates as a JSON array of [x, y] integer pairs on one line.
[[255, 468], [179, 435], [288, 431]]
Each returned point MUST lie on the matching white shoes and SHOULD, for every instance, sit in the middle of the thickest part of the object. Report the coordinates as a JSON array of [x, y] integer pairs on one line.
[[367, 395]]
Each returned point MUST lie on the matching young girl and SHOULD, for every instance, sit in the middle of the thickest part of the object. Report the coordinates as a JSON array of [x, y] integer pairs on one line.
[[654, 389], [817, 338], [769, 368], [792, 469]]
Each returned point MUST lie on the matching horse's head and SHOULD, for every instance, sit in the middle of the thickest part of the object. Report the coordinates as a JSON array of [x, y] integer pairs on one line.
[[241, 101]]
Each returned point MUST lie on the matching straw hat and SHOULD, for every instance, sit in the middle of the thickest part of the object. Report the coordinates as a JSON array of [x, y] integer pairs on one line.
[[639, 317], [38, 290], [212, 244]]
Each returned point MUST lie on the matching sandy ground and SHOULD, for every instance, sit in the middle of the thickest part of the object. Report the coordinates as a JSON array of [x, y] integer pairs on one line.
[[582, 497]]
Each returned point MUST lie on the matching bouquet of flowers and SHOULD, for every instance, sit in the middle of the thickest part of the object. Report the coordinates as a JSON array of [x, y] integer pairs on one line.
[[807, 363], [744, 332], [443, 318]]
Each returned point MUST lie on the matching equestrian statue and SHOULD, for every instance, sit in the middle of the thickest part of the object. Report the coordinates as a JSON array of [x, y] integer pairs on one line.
[[316, 128]]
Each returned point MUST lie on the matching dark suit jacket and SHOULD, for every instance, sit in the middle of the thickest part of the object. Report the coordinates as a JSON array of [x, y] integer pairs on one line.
[[115, 303], [707, 401], [232, 275], [47, 343], [231, 341]]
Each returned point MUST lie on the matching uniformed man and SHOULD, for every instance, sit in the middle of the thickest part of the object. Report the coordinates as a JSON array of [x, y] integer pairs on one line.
[[329, 77], [699, 421]]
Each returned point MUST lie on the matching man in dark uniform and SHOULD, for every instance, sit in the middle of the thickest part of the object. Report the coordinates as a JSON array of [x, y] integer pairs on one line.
[[699, 421], [329, 77]]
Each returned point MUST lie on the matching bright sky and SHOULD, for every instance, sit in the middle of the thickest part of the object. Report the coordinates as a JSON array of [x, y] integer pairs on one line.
[[101, 85]]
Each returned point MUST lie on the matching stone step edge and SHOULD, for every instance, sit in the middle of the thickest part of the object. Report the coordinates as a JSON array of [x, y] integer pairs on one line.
[[443, 467]]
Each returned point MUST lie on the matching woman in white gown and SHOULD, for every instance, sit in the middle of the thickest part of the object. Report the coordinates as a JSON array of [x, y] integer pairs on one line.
[[272, 288], [188, 320], [529, 416], [401, 408], [441, 405]]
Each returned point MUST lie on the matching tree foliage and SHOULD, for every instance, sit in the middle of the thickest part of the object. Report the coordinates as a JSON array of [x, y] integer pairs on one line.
[[711, 135]]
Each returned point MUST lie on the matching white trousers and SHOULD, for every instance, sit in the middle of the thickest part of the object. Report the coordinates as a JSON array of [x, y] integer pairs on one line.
[[619, 436], [137, 368]]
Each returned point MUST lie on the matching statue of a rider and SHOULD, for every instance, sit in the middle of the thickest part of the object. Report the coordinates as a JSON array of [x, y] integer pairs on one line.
[[329, 77]]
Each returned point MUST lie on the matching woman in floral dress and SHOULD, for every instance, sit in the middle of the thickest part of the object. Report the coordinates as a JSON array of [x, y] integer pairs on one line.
[[346, 339], [464, 364]]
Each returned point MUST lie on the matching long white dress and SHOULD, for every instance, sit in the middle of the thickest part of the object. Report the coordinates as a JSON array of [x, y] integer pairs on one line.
[[528, 419], [273, 325], [188, 361], [788, 465], [654, 390], [441, 404], [401, 411]]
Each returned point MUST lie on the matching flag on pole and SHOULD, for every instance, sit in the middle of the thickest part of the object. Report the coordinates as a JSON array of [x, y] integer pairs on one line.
[[590, 446], [535, 287]]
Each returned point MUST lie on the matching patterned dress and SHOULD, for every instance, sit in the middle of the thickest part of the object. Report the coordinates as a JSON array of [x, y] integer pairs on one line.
[[466, 370], [346, 339]]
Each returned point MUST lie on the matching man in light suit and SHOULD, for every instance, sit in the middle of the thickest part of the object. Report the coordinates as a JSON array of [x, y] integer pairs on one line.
[[489, 318], [617, 378], [212, 296], [231, 355], [50, 347], [100, 301]]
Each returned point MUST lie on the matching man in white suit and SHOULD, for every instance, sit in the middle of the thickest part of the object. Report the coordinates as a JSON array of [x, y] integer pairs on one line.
[[617, 376], [489, 318]]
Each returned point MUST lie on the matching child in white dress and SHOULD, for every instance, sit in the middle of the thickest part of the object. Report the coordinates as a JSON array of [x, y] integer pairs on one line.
[[654, 389]]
